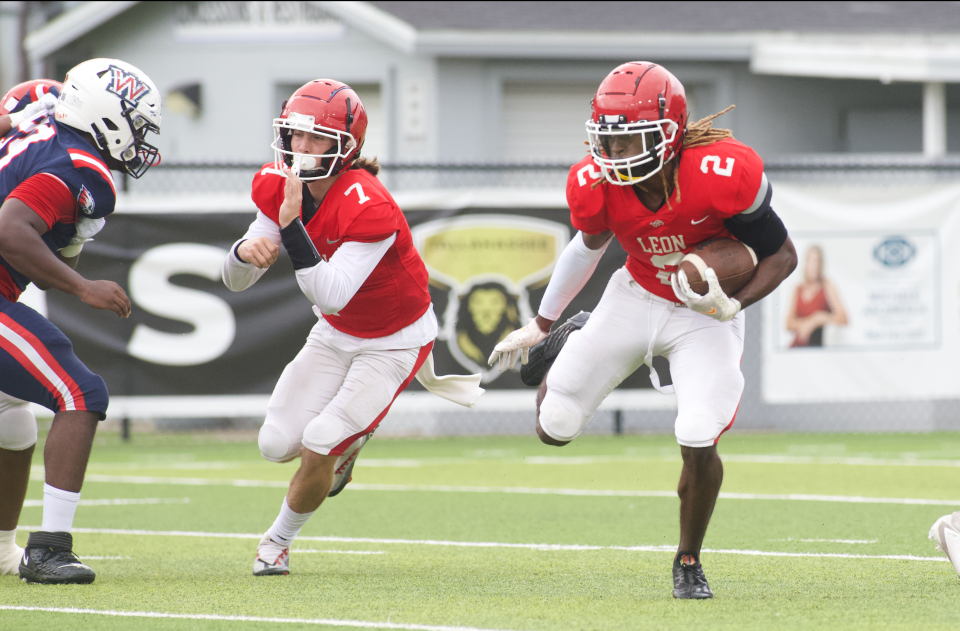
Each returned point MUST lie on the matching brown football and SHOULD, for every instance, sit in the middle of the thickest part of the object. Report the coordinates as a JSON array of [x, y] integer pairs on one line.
[[734, 262]]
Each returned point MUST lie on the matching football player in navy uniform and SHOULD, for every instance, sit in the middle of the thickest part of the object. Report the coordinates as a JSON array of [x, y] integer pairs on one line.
[[56, 188]]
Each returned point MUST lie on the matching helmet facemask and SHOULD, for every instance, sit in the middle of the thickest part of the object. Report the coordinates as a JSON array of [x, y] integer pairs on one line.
[[311, 166], [139, 155], [648, 140]]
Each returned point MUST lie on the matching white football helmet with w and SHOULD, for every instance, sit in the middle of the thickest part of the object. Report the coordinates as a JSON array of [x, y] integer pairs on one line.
[[117, 104]]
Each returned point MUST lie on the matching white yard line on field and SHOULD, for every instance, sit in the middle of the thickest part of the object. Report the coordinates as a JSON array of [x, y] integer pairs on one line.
[[522, 490], [828, 540], [407, 463], [493, 544], [361, 624], [796, 497], [312, 551], [118, 502]]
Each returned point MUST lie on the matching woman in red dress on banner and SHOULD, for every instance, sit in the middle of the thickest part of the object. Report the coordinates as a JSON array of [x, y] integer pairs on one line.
[[815, 304]]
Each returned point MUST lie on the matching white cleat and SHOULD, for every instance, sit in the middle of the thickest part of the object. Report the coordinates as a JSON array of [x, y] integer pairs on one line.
[[10, 556], [343, 471], [273, 559], [945, 534]]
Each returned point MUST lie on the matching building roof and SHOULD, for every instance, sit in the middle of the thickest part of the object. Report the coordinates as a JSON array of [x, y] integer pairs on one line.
[[797, 17], [890, 41]]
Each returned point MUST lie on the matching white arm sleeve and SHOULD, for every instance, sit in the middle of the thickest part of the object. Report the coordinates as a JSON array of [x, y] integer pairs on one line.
[[238, 275], [331, 285], [574, 268]]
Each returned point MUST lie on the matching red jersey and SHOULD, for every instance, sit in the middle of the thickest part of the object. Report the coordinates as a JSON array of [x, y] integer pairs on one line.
[[358, 208], [716, 182]]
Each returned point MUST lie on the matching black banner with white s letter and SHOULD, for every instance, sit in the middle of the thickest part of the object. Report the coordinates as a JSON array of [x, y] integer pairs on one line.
[[189, 335]]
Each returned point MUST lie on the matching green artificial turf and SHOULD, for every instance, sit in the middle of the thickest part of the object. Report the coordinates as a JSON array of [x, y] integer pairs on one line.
[[515, 588]]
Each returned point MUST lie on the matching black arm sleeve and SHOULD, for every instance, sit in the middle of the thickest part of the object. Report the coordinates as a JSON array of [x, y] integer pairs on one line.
[[299, 246], [764, 233]]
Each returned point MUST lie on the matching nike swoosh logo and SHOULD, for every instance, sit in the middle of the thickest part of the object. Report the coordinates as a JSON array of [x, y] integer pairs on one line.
[[329, 242], [701, 221]]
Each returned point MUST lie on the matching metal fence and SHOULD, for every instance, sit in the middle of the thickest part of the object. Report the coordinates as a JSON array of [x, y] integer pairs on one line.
[[209, 177], [754, 413]]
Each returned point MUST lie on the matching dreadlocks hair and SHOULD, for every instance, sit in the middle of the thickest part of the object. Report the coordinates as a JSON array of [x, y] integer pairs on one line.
[[698, 134], [702, 132], [370, 165]]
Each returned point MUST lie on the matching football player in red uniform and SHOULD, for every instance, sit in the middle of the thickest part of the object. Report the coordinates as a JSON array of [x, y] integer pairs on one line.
[[56, 188], [355, 260], [660, 186]]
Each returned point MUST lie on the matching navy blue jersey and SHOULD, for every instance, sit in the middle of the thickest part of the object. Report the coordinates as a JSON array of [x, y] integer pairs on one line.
[[66, 160]]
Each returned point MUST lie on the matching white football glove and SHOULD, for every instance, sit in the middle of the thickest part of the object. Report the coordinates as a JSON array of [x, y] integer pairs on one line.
[[715, 303], [517, 343], [945, 534], [42, 108], [86, 228]]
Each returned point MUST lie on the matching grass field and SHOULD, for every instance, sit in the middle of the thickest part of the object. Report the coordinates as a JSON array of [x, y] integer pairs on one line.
[[811, 532]]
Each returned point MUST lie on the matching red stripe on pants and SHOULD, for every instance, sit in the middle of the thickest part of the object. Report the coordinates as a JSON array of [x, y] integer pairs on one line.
[[422, 357], [22, 359], [32, 340]]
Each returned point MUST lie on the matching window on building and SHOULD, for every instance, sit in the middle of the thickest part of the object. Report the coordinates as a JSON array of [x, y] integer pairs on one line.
[[544, 122]]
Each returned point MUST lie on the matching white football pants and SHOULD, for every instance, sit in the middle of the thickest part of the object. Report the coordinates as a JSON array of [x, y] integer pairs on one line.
[[326, 397], [629, 325]]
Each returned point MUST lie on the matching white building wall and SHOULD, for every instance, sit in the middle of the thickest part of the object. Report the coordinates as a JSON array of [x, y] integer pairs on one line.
[[467, 110], [240, 83]]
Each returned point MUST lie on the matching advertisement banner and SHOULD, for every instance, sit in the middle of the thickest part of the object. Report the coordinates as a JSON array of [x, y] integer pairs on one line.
[[189, 336], [872, 311]]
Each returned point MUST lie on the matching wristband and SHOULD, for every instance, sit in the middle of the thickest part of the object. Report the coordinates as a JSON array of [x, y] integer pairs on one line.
[[299, 246], [236, 250]]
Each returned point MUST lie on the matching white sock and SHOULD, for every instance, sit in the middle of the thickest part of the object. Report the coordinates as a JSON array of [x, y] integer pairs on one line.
[[10, 552], [288, 524], [59, 507]]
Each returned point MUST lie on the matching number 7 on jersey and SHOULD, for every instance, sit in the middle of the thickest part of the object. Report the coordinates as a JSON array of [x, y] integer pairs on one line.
[[356, 186]]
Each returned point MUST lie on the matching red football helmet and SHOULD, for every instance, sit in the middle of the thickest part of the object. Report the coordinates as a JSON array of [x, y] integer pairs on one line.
[[639, 116], [326, 108], [38, 87]]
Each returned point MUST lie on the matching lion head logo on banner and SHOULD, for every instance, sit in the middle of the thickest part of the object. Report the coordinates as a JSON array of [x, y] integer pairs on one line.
[[487, 264], [488, 313]]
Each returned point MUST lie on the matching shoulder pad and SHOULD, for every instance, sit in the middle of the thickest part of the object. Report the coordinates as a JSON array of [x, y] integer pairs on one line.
[[267, 191], [367, 211], [586, 200], [361, 190], [91, 182], [730, 172]]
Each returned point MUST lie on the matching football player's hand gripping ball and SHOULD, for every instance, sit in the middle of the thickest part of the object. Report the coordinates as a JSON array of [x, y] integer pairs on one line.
[[517, 343], [292, 198], [715, 303]]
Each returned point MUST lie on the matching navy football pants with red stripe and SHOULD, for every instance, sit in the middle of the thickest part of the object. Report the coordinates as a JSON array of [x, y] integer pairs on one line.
[[37, 364]]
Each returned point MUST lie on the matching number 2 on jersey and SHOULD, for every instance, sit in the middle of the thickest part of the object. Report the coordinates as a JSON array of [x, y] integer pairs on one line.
[[663, 261], [359, 189]]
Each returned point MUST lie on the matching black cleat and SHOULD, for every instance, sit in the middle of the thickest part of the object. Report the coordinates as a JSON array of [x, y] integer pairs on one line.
[[48, 558], [689, 582], [545, 353]]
